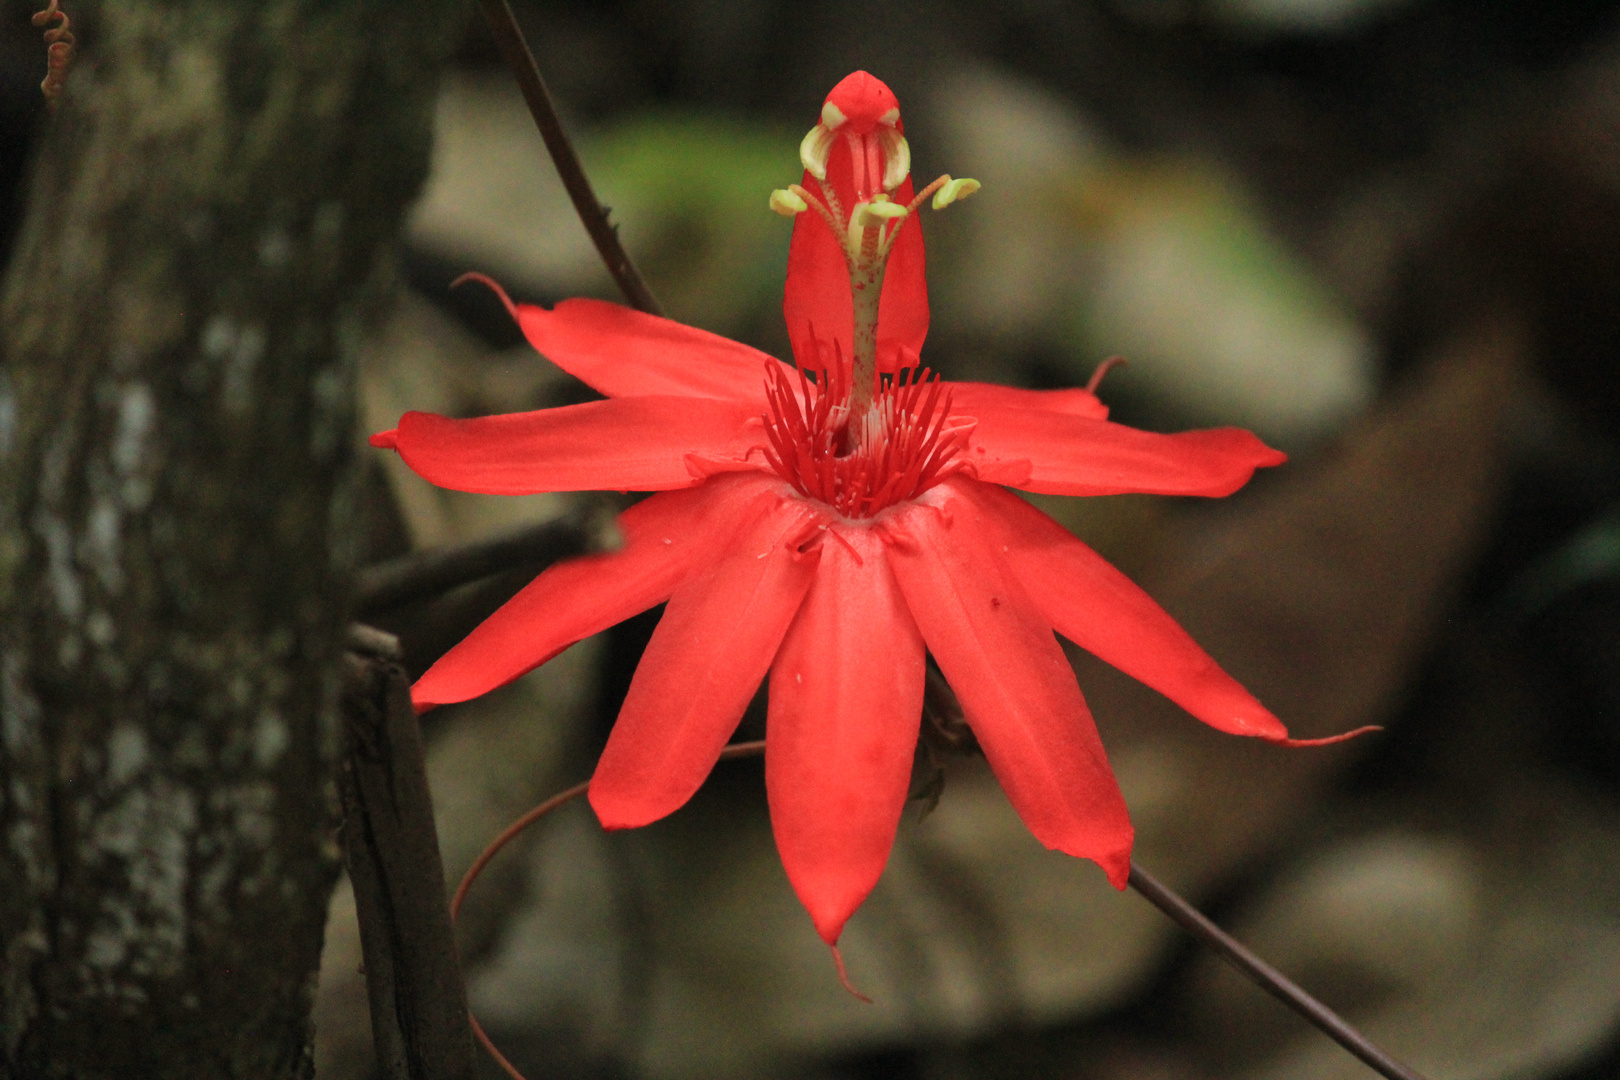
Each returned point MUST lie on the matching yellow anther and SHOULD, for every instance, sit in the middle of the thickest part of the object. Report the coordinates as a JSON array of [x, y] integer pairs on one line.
[[832, 116], [786, 203], [878, 212], [816, 147], [896, 157], [954, 190]]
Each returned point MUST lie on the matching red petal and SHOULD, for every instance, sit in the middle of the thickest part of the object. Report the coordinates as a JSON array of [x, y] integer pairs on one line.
[[711, 649], [625, 444], [625, 353], [1016, 688], [903, 311], [1074, 455], [816, 302], [575, 599], [981, 399], [1104, 612], [846, 698]]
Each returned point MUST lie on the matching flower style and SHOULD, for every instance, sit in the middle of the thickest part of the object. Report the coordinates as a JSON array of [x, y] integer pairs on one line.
[[831, 531]]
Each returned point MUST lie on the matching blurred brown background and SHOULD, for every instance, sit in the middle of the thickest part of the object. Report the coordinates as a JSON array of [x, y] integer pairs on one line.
[[1383, 233]]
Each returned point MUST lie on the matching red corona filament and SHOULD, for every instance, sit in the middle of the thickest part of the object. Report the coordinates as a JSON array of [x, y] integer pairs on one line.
[[907, 446]]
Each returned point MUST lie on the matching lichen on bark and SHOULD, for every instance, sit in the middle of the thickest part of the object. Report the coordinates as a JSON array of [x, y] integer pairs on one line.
[[209, 229]]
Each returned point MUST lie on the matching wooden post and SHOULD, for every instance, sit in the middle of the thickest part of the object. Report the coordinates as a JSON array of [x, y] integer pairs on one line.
[[413, 975]]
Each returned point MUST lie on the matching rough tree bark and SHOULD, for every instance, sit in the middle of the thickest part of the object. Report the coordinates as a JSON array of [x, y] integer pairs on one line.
[[209, 223]]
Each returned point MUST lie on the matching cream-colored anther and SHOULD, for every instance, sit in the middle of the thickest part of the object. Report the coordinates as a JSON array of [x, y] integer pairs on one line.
[[831, 116], [815, 148], [896, 157], [880, 211], [786, 203], [890, 118], [954, 190]]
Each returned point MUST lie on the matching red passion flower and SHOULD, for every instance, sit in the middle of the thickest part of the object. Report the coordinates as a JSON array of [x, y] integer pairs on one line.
[[828, 526]]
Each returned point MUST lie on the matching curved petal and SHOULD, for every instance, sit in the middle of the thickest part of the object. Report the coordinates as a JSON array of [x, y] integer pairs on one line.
[[1104, 612], [624, 444], [1016, 688], [580, 597], [816, 301], [845, 704], [711, 649], [1056, 454], [624, 353], [982, 399], [903, 309]]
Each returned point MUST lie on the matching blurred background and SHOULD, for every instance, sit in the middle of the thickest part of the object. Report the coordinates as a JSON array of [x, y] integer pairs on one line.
[[1384, 234]]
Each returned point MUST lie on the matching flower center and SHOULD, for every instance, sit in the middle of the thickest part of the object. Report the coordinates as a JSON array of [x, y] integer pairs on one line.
[[862, 115], [867, 233], [899, 447]]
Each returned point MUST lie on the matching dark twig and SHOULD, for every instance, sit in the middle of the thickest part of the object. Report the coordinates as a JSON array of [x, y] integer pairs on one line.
[[419, 1019], [424, 574], [515, 50], [1267, 977]]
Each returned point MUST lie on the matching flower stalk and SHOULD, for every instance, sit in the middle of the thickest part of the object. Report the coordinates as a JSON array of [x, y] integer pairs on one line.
[[603, 233]]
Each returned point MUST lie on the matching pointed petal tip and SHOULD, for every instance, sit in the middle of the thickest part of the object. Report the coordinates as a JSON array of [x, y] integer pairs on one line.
[[843, 974], [1328, 740], [830, 916], [386, 440], [616, 813], [492, 285], [1111, 853], [1117, 864]]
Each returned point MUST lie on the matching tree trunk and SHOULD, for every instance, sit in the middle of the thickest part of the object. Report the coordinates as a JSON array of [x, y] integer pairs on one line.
[[210, 225]]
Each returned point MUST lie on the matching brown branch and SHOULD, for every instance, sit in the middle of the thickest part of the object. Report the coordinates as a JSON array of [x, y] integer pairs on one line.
[[515, 50], [424, 574], [419, 1018], [1267, 977]]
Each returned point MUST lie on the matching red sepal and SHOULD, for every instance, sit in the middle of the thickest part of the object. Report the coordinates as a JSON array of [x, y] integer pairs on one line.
[[845, 702]]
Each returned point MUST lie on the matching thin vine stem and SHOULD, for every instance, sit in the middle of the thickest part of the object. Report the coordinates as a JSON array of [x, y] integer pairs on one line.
[[1149, 887], [512, 832], [1267, 977], [515, 51]]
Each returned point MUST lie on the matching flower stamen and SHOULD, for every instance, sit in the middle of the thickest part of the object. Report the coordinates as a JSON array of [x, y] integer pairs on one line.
[[861, 464]]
